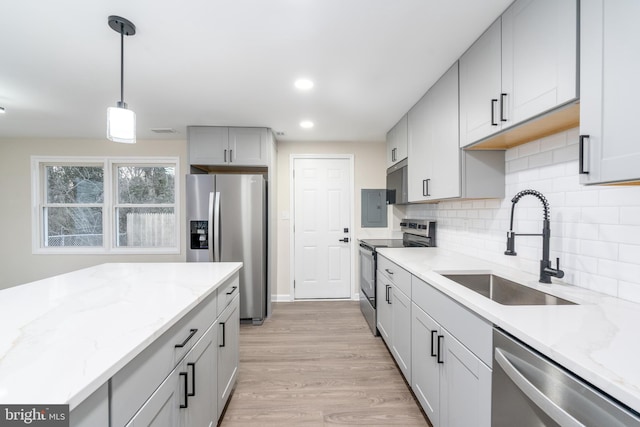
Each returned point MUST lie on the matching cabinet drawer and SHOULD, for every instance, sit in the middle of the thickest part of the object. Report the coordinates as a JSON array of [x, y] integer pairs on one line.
[[400, 277], [227, 292], [468, 328], [134, 383]]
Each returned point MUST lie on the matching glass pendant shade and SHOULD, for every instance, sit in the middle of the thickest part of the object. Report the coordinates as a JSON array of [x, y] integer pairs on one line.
[[121, 125]]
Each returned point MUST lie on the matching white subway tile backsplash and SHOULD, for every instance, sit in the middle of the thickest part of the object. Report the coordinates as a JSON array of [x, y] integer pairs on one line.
[[630, 216], [595, 230], [518, 164], [553, 142], [529, 149], [541, 159]]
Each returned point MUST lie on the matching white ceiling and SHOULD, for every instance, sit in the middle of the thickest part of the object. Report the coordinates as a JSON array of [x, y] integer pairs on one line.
[[228, 62]]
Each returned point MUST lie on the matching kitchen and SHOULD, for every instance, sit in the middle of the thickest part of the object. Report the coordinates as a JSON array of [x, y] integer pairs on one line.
[[594, 228]]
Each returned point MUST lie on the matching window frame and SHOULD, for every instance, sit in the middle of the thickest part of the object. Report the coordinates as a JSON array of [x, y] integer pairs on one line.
[[109, 204]]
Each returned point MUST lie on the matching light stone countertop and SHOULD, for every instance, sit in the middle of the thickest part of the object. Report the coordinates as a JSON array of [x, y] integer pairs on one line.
[[597, 340], [63, 337]]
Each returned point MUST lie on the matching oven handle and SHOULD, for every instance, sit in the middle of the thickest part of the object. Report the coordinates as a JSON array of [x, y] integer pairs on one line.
[[541, 400]]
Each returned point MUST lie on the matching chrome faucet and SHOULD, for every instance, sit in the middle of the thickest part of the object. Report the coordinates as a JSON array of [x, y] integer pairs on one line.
[[546, 269]]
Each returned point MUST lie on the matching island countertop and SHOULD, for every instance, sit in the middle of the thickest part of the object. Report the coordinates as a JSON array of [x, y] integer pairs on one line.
[[63, 337], [596, 339]]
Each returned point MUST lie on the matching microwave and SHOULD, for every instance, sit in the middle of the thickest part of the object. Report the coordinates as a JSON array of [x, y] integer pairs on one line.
[[397, 184]]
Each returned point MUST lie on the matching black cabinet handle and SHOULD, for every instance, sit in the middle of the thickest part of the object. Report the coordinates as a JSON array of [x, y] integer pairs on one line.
[[186, 395], [439, 358], [193, 378], [503, 98], [388, 271], [425, 187], [493, 112], [225, 155], [393, 155], [223, 335], [386, 298], [433, 353], [233, 289], [191, 334], [230, 156], [582, 170]]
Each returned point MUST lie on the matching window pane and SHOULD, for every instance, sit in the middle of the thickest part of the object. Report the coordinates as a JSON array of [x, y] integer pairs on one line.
[[146, 227], [138, 184], [73, 226], [74, 184]]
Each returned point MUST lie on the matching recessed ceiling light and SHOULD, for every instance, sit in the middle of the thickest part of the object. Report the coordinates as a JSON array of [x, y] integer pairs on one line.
[[303, 84], [307, 124]]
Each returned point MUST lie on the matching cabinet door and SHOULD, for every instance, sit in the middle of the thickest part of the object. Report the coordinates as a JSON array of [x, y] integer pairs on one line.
[[420, 166], [434, 151], [397, 142], [609, 64], [444, 146], [480, 87], [208, 145], [201, 368], [539, 57], [383, 307], [465, 387], [401, 335], [425, 375], [228, 351], [248, 146], [162, 409]]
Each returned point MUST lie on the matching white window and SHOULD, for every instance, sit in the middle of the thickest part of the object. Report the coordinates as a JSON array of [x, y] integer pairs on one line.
[[105, 205]]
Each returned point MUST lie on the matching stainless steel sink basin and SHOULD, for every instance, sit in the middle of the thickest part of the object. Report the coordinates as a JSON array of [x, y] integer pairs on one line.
[[504, 291]]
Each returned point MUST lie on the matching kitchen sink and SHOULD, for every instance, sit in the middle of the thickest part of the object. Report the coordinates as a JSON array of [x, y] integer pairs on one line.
[[504, 291]]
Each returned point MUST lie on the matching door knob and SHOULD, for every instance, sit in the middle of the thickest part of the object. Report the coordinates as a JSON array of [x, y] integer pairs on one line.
[[346, 239]]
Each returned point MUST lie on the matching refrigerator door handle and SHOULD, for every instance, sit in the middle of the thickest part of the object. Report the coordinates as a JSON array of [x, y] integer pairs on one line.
[[210, 227], [217, 255]]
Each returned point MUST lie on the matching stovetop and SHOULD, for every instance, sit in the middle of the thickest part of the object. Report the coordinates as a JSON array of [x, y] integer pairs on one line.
[[383, 243]]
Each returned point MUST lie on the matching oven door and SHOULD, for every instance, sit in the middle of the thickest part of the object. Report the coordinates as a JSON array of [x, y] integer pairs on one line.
[[368, 274], [367, 260]]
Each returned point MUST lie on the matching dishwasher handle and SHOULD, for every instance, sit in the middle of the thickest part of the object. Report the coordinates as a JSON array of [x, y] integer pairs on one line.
[[541, 400]]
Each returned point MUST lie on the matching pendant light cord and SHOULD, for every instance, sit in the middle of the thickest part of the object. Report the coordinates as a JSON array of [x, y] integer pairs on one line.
[[122, 64]]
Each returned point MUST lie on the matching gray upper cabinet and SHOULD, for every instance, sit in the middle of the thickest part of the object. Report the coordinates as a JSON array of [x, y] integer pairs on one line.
[[397, 142], [437, 168], [609, 63], [231, 146], [434, 155], [480, 87], [532, 52]]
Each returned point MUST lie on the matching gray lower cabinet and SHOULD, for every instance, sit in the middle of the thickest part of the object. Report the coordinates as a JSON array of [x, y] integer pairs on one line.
[[186, 376], [394, 312], [187, 397], [228, 352], [448, 344], [609, 63]]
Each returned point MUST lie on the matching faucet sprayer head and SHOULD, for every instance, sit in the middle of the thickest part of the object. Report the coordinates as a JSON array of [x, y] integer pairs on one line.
[[535, 193]]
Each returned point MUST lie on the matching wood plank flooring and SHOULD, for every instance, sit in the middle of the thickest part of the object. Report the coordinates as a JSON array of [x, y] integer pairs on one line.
[[317, 364]]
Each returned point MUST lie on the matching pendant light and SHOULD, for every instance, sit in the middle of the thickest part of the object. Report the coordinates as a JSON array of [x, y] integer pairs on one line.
[[121, 122]]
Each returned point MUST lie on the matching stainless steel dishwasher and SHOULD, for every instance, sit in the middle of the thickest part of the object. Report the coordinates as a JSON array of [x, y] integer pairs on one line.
[[529, 389]]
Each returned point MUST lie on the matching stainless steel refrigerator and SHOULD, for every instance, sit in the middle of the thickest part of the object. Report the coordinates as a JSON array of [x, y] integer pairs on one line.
[[227, 221]]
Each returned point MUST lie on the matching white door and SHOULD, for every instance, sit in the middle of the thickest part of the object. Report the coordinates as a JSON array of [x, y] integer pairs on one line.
[[322, 213]]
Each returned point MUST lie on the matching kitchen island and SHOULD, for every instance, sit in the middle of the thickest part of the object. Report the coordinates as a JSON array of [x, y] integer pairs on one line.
[[596, 339], [64, 338]]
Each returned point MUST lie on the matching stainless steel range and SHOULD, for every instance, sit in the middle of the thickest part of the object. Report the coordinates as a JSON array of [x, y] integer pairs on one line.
[[415, 233]]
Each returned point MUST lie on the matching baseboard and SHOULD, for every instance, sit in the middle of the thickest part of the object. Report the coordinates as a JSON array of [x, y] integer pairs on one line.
[[287, 298]]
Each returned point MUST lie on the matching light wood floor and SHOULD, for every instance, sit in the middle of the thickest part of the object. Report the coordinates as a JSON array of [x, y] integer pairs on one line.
[[317, 364]]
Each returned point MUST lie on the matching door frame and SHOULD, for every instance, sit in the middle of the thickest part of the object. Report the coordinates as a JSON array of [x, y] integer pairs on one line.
[[352, 258]]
